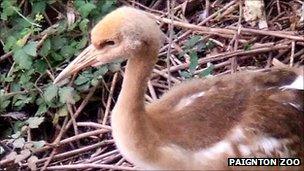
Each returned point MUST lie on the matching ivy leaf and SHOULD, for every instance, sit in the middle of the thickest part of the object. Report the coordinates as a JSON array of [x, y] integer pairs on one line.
[[66, 95], [50, 93], [31, 48], [34, 122], [22, 59]]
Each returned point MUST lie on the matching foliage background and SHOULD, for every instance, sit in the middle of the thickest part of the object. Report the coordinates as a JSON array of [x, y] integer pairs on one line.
[[37, 37]]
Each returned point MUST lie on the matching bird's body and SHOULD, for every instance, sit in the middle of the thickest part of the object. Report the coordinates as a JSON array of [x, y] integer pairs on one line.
[[200, 123]]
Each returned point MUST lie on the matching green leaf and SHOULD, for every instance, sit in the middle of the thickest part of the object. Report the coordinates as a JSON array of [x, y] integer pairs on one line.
[[22, 59], [40, 66], [34, 122], [102, 70], [66, 95], [38, 144], [82, 43], [83, 25], [67, 51], [46, 47], [63, 111], [55, 119], [16, 135], [42, 109], [108, 5], [192, 41], [31, 48], [85, 9], [4, 101], [84, 87], [8, 8], [24, 78], [185, 74], [193, 61], [94, 82], [104, 7], [38, 7], [9, 43], [9, 79], [247, 46], [17, 126], [50, 93], [58, 42], [16, 87], [82, 79], [207, 71], [57, 57], [20, 100], [19, 143]]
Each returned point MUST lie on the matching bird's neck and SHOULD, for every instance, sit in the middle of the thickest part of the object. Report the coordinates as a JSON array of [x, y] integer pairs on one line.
[[134, 85], [129, 118]]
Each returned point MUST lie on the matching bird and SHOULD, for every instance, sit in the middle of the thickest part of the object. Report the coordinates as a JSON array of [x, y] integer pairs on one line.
[[200, 123]]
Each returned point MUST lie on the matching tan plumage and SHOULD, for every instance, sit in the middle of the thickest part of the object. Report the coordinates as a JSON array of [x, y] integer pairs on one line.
[[200, 123]]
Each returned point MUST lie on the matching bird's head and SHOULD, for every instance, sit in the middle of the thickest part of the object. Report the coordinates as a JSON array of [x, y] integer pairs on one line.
[[122, 34]]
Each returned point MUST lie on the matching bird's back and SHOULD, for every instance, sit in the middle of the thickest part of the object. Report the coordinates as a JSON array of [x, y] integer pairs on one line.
[[250, 114]]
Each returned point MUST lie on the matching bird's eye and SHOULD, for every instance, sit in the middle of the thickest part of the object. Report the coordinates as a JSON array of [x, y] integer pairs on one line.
[[106, 43]]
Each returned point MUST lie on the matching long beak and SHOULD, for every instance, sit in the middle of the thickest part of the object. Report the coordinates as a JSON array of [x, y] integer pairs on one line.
[[87, 57]]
